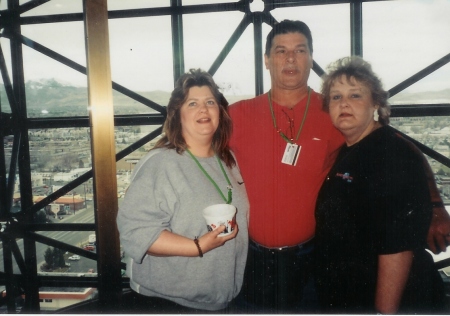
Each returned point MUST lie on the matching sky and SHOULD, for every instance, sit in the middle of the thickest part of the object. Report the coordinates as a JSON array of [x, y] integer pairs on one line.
[[400, 38]]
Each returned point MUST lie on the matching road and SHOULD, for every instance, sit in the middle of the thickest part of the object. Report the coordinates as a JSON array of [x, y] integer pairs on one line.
[[76, 238]]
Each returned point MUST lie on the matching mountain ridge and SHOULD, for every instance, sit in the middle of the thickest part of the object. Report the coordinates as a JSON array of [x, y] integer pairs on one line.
[[50, 93]]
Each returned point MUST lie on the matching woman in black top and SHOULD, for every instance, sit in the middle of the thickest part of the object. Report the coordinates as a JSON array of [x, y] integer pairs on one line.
[[374, 209]]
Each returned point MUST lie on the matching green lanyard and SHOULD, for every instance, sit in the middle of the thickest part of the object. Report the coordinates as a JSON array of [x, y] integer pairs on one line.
[[229, 187], [275, 121]]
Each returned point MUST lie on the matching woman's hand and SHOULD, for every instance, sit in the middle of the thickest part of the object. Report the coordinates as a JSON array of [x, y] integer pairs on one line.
[[169, 244], [212, 240], [439, 232]]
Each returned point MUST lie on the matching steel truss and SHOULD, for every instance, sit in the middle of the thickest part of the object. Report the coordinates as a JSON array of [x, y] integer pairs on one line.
[[18, 124]]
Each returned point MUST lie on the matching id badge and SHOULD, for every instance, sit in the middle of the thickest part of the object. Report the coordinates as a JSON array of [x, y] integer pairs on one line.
[[291, 154]]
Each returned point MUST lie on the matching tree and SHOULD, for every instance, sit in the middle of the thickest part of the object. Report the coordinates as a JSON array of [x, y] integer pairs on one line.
[[40, 216], [48, 257], [54, 258], [68, 161], [58, 258]]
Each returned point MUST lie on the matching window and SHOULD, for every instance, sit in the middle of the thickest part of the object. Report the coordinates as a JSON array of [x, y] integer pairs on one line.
[[143, 67]]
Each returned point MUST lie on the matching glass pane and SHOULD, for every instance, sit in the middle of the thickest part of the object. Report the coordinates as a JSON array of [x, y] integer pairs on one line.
[[433, 89], [196, 2], [52, 88], [126, 136], [54, 7], [141, 60], [136, 4], [4, 103], [65, 38], [58, 156], [403, 37], [433, 132], [202, 50], [236, 74]]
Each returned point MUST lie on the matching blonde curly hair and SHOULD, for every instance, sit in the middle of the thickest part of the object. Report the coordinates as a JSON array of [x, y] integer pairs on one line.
[[357, 68]]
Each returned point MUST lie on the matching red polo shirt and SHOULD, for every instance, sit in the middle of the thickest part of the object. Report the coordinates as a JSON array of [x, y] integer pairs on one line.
[[282, 197]]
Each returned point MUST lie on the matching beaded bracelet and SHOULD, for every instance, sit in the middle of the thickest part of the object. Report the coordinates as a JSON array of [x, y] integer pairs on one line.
[[200, 253]]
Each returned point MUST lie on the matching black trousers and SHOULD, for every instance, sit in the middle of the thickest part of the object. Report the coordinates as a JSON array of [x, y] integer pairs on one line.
[[279, 281]]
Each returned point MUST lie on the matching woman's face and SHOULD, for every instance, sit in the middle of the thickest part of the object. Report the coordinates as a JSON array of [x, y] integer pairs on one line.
[[199, 115], [352, 109]]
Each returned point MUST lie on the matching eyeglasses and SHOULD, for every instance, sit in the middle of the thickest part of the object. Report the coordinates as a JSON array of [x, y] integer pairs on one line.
[[291, 128]]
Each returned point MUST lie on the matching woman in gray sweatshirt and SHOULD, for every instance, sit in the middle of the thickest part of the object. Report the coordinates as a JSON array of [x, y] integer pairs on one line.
[[176, 265]]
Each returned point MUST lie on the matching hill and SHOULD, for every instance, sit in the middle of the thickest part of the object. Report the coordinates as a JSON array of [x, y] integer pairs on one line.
[[427, 97], [61, 99]]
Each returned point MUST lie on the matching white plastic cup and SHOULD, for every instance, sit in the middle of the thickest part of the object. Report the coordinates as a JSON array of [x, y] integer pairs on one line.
[[220, 214]]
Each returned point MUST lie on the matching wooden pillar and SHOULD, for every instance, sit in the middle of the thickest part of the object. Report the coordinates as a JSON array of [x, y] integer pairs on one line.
[[101, 114]]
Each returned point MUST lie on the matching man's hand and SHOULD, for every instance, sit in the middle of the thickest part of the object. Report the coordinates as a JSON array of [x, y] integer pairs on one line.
[[439, 232]]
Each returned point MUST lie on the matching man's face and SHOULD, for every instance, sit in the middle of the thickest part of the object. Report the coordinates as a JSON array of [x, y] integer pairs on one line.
[[290, 61]]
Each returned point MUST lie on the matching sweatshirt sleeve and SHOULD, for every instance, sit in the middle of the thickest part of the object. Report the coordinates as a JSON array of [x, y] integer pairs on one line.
[[146, 210]]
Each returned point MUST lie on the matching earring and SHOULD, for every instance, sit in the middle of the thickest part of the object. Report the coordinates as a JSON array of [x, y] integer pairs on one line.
[[375, 115]]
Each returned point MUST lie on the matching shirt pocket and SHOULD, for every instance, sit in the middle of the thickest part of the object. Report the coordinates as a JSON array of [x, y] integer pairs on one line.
[[313, 155]]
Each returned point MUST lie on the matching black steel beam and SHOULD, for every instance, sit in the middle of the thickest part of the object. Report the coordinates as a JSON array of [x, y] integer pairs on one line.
[[3, 184], [136, 13], [31, 5], [273, 4], [425, 149], [83, 121], [12, 170], [66, 61], [60, 227], [442, 264], [230, 44], [60, 245], [416, 110], [258, 56], [404, 110], [317, 69], [8, 275], [8, 85], [138, 144], [26, 197], [419, 75], [82, 280], [356, 33], [177, 40]]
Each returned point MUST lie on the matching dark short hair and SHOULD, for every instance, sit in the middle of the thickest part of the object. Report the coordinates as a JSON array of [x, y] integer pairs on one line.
[[359, 69], [173, 137], [289, 26]]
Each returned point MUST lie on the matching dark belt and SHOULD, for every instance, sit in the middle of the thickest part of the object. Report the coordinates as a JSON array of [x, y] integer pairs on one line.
[[289, 249]]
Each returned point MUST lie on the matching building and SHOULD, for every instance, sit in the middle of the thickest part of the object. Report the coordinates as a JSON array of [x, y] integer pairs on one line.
[[70, 203], [52, 299]]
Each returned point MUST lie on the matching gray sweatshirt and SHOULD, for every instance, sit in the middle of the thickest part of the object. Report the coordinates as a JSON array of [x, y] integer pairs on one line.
[[168, 192]]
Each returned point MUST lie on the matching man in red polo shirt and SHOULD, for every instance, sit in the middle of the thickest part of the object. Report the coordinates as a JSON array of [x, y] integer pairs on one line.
[[285, 145]]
